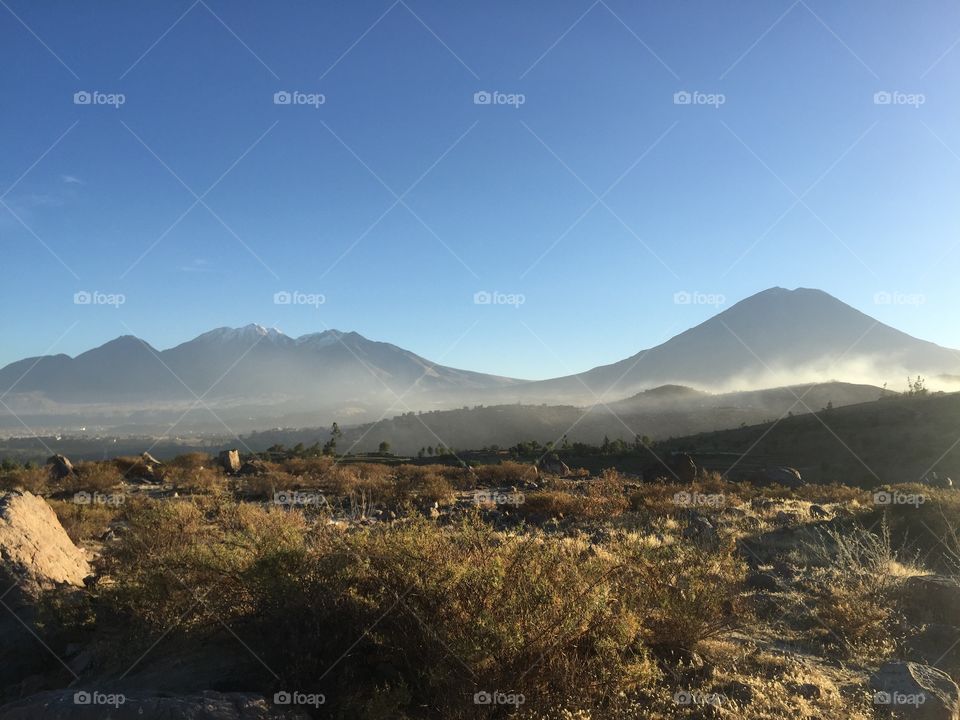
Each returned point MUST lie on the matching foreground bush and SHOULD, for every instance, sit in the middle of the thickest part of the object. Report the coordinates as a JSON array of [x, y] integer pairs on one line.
[[389, 620]]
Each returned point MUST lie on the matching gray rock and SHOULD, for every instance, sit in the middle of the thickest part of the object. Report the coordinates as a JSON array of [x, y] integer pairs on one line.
[[808, 691], [938, 645], [553, 465], [786, 476], [701, 530], [911, 690], [932, 598], [763, 581], [60, 467]]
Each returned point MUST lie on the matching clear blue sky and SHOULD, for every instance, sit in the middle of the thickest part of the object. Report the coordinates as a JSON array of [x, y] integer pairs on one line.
[[710, 202]]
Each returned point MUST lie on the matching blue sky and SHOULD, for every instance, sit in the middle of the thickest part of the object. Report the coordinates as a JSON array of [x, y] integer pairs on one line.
[[799, 177]]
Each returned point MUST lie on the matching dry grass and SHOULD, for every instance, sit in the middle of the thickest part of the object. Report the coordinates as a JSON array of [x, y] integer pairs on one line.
[[84, 522], [91, 477], [35, 480]]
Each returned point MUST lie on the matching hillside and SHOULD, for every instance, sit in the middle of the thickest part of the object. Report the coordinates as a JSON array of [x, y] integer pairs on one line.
[[893, 440], [659, 414]]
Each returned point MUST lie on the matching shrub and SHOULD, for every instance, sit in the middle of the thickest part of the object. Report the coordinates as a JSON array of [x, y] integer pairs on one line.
[[84, 522], [853, 606], [192, 461], [421, 485], [93, 477], [689, 592], [596, 499], [417, 615], [506, 473], [35, 480], [196, 479]]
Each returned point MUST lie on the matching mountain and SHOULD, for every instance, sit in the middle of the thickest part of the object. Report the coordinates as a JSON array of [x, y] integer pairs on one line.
[[776, 337], [254, 377], [251, 373]]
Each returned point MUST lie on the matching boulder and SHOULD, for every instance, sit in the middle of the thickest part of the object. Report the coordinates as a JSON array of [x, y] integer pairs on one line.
[[938, 645], [936, 480], [932, 598], [230, 461], [701, 531], [90, 704], [36, 555], [781, 475], [253, 467], [60, 467], [553, 465], [763, 581], [35, 552], [150, 460], [911, 690]]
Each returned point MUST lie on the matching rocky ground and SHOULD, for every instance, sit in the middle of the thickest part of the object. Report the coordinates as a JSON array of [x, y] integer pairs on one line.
[[311, 589]]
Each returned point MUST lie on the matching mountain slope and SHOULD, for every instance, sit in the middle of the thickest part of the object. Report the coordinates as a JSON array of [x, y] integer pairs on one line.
[[775, 337], [257, 377], [260, 373]]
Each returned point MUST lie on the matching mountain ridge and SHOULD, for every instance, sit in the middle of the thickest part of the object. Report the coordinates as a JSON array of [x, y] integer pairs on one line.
[[774, 338]]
